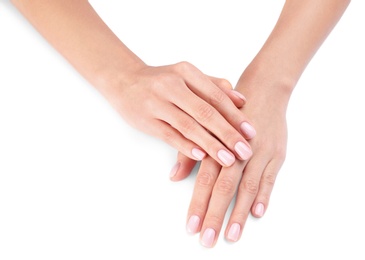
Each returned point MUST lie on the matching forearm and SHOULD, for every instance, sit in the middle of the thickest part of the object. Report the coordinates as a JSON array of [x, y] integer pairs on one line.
[[299, 32], [80, 35]]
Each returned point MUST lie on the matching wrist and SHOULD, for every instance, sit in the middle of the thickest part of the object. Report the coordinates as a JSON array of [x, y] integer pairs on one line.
[[115, 77], [267, 78], [261, 85]]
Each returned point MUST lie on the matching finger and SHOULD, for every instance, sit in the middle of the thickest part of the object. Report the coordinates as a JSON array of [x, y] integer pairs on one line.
[[213, 95], [205, 179], [171, 136], [246, 195], [237, 98], [182, 168], [195, 132], [222, 195], [203, 115], [267, 182], [223, 84]]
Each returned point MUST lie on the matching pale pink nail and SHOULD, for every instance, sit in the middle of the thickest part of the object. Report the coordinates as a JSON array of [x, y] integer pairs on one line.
[[243, 150], [259, 209], [234, 232], [193, 224], [248, 130], [226, 158], [198, 154], [174, 170], [238, 94], [207, 239]]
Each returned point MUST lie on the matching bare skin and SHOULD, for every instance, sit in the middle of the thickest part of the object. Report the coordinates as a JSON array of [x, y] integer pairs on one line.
[[142, 94], [267, 84], [177, 103]]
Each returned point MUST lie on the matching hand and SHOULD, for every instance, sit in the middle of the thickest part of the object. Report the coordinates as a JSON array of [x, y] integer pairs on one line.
[[192, 112], [176, 103], [253, 180]]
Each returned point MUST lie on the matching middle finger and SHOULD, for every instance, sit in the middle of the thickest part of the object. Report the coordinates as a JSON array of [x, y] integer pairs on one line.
[[222, 194]]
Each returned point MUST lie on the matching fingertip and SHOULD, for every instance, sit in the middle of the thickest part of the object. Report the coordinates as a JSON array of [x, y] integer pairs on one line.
[[174, 170], [234, 232], [237, 98], [239, 95], [248, 130], [198, 154], [226, 158], [182, 168], [259, 210]]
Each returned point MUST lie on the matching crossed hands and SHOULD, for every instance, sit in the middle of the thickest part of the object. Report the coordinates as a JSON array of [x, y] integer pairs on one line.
[[241, 143]]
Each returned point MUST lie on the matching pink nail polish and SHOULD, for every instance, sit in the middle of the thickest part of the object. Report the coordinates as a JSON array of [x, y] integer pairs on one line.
[[226, 158], [207, 239], [259, 210], [243, 150], [198, 154], [248, 130], [174, 170], [238, 94], [234, 232], [193, 224]]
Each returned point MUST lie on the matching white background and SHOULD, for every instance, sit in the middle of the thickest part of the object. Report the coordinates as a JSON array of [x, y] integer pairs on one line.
[[76, 182]]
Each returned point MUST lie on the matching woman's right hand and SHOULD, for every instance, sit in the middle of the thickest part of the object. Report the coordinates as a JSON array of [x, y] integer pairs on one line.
[[194, 113], [176, 103]]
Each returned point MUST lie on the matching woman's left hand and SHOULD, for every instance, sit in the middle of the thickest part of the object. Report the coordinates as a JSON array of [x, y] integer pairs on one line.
[[253, 180]]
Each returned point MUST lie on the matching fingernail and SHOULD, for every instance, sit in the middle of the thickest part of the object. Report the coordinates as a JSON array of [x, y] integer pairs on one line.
[[248, 130], [234, 232], [208, 237], [198, 154], [226, 158], [243, 150], [174, 170], [259, 210], [193, 224], [238, 94]]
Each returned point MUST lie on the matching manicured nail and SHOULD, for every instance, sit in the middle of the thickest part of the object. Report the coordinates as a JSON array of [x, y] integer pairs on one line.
[[259, 210], [248, 130], [243, 150], [238, 94], [234, 232], [198, 154], [193, 224], [208, 237], [174, 170], [226, 158]]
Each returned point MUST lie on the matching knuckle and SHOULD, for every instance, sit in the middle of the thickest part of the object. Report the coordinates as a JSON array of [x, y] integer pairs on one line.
[[217, 97], [215, 220], [188, 126], [223, 83], [197, 209], [269, 178], [225, 186], [265, 198], [204, 112], [229, 136], [250, 186], [183, 66], [204, 179], [168, 137], [241, 216]]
